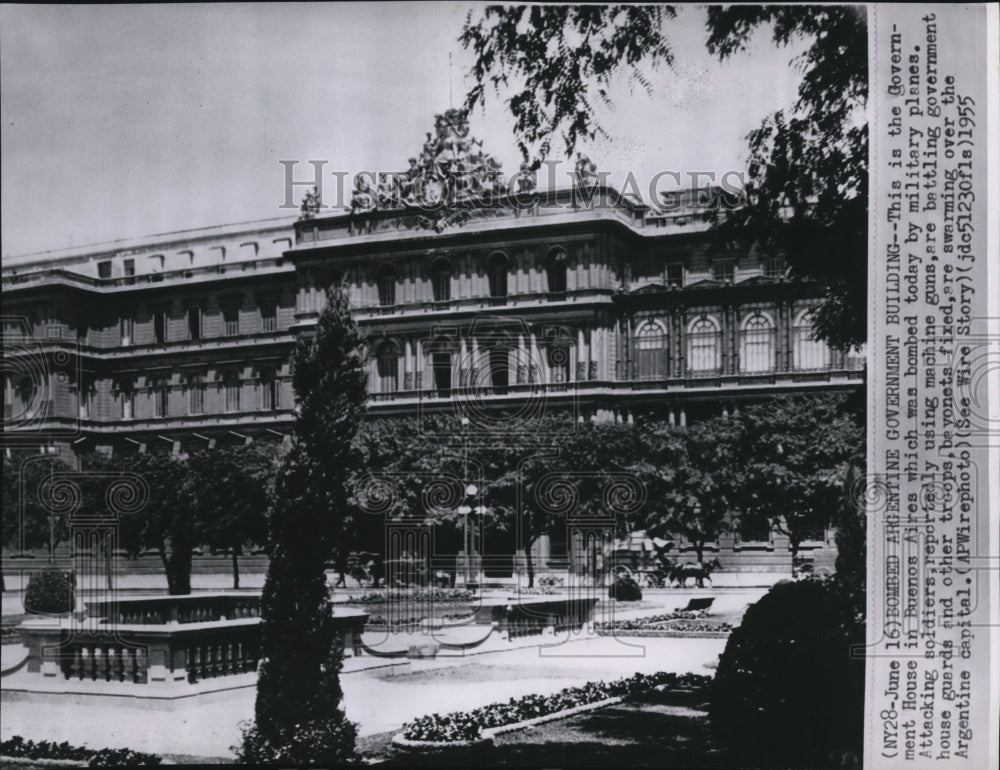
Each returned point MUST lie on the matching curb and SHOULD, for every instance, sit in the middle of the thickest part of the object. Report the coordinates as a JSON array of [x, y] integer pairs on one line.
[[407, 745], [43, 762], [489, 733], [653, 633]]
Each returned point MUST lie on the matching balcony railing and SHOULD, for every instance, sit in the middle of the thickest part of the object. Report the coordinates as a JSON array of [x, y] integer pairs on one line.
[[206, 272]]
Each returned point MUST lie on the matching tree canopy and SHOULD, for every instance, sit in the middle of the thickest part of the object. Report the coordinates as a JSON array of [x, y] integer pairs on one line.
[[806, 190]]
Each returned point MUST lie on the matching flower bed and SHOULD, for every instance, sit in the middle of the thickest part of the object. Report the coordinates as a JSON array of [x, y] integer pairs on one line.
[[18, 748], [464, 726], [680, 622], [378, 621], [413, 595]]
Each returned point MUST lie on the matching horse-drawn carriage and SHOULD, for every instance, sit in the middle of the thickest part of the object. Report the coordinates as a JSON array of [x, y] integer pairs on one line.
[[677, 575], [370, 570]]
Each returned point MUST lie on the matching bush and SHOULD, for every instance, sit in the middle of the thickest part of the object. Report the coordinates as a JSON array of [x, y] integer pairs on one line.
[[326, 742], [786, 690], [550, 581], [18, 747], [50, 592], [625, 589]]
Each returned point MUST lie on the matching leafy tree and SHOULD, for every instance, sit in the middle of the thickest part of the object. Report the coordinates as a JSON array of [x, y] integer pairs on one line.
[[169, 522], [806, 192], [686, 472], [298, 716], [791, 462], [560, 61], [39, 528], [231, 487]]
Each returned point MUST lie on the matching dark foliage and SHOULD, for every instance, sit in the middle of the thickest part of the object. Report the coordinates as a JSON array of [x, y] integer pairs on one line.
[[19, 747], [625, 589], [49, 592], [298, 717], [787, 691]]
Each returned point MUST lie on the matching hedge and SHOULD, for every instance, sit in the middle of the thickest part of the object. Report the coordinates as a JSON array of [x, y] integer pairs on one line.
[[22, 749]]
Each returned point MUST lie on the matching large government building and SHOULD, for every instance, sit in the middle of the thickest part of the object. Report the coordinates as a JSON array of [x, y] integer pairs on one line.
[[577, 299]]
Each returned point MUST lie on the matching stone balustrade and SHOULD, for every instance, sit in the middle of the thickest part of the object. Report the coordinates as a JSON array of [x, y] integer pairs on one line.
[[191, 608], [164, 639], [524, 616]]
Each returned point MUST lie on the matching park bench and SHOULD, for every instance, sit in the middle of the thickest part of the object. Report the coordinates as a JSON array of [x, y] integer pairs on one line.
[[697, 604]]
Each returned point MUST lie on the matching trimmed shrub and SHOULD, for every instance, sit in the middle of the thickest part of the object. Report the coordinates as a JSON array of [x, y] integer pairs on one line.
[[786, 690], [49, 592], [327, 742], [625, 589]]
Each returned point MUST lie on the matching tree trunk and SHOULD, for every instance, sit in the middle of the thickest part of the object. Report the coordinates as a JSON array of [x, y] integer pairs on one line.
[[179, 571], [162, 551], [530, 564], [236, 568]]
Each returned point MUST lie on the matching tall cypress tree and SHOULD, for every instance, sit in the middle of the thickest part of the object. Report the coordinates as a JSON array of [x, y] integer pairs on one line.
[[298, 714]]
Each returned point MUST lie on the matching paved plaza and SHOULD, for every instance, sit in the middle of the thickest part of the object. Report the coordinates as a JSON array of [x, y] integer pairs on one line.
[[379, 694]]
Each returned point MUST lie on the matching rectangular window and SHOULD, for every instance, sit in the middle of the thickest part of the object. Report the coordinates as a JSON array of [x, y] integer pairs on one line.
[[194, 323], [160, 325], [675, 275], [231, 319], [724, 271], [104, 269], [128, 268], [269, 314], [196, 394], [126, 399], [126, 331]]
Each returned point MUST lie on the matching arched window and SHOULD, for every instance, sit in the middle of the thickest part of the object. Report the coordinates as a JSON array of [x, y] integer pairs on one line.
[[555, 268], [388, 367], [231, 387], [329, 278], [196, 394], [650, 351], [441, 364], [386, 279], [160, 391], [703, 346], [807, 352], [757, 344], [500, 365], [26, 392], [558, 356], [499, 267], [441, 277], [267, 387]]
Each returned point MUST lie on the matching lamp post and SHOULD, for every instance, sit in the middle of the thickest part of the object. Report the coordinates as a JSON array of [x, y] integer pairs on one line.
[[471, 490]]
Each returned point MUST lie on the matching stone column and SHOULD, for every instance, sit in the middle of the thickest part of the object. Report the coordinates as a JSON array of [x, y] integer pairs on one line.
[[407, 364]]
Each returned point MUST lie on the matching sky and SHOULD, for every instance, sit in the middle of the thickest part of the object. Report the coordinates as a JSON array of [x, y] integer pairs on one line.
[[127, 121]]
